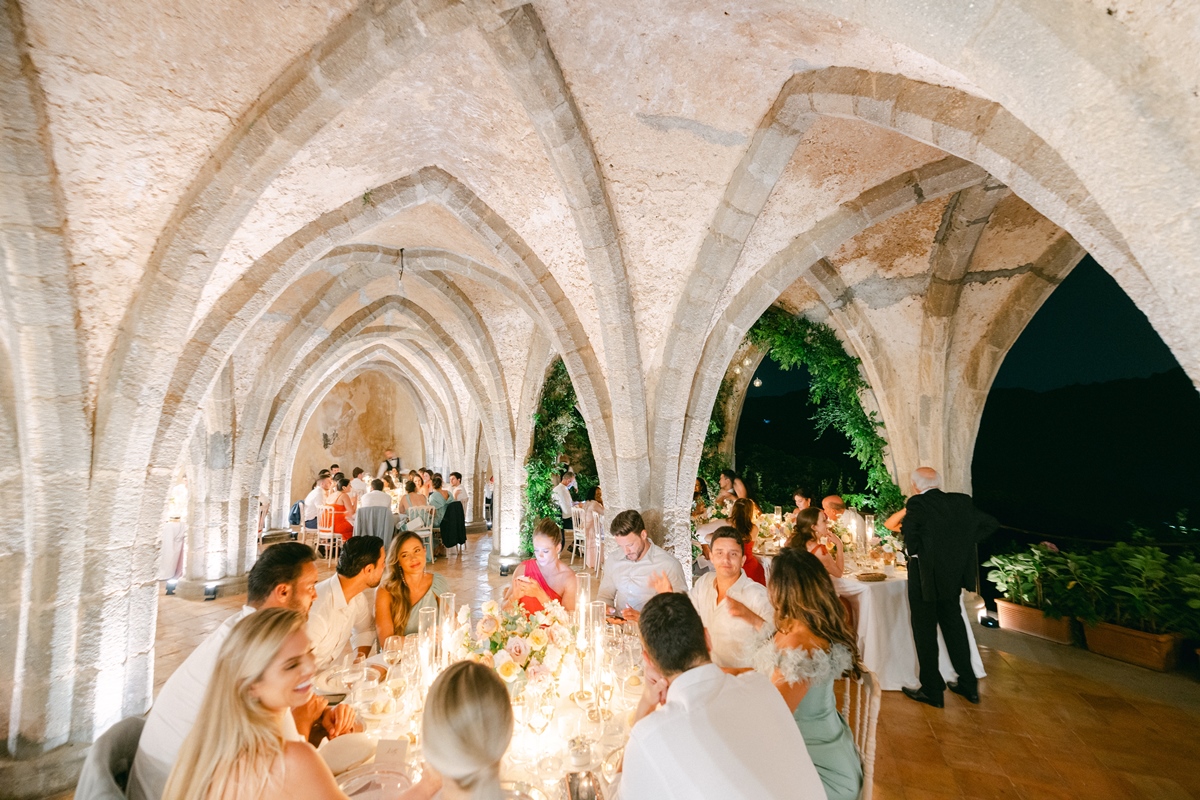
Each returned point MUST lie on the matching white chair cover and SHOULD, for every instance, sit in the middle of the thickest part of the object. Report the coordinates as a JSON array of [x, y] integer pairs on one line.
[[106, 768]]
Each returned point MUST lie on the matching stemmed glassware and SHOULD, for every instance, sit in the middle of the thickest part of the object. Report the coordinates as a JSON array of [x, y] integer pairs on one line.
[[393, 650]]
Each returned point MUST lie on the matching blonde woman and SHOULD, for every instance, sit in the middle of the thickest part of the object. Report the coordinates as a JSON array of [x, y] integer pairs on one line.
[[466, 729], [236, 750], [544, 577], [407, 589]]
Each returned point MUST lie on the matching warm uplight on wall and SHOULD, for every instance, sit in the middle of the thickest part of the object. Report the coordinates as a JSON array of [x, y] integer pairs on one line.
[[746, 361]]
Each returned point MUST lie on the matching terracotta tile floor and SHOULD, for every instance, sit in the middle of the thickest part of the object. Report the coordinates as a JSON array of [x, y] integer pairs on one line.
[[1043, 730]]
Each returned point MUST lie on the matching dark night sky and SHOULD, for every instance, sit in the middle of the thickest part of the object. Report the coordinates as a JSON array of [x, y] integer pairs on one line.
[[1088, 331]]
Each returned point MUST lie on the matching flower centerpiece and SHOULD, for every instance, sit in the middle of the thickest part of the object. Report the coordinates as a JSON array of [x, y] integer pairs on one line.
[[521, 646]]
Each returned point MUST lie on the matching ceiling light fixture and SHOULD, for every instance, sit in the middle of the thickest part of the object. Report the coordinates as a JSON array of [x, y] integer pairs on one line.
[[757, 382]]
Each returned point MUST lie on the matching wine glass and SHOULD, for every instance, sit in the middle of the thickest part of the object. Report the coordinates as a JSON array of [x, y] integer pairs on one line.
[[393, 650], [354, 669]]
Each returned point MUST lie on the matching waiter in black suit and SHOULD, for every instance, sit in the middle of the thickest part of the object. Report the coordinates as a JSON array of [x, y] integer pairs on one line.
[[940, 531]]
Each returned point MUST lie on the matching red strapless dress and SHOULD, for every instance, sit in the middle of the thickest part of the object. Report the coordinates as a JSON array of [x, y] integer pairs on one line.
[[753, 568], [341, 524], [534, 573]]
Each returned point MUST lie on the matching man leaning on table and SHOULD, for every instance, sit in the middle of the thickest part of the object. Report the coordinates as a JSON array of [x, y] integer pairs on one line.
[[628, 582], [940, 532], [285, 576], [702, 733], [343, 615]]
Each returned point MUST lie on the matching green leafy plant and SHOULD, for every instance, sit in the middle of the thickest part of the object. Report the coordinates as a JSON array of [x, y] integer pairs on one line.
[[836, 388], [712, 461], [558, 430]]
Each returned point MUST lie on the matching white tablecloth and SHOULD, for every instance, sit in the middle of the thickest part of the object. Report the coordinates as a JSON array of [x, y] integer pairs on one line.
[[885, 632]]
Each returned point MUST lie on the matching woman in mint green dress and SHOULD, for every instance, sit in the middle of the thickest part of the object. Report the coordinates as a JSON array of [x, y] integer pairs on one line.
[[813, 647]]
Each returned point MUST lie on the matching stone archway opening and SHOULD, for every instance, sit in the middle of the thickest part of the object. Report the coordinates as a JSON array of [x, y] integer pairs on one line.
[[1089, 377]]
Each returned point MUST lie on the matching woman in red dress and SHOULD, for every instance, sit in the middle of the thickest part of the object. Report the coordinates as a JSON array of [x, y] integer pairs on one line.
[[742, 519], [343, 510], [812, 534], [544, 577]]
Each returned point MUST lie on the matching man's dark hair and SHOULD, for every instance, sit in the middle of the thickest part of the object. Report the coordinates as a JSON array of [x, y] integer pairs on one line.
[[323, 474], [278, 564], [673, 633], [333, 467], [377, 485], [358, 553], [338, 477], [354, 473], [457, 475], [726, 532], [627, 522], [728, 473]]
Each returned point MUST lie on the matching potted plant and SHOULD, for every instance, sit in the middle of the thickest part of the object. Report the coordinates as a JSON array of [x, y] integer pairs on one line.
[[1139, 612], [1031, 582]]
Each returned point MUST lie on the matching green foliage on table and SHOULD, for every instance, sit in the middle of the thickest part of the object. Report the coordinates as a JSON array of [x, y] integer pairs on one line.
[[836, 388], [558, 429], [1134, 586]]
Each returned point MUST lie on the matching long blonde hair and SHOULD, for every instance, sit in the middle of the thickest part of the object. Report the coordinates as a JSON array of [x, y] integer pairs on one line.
[[467, 726], [397, 586], [235, 737]]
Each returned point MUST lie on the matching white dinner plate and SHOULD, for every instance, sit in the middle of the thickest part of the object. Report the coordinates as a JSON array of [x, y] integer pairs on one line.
[[347, 751], [373, 782]]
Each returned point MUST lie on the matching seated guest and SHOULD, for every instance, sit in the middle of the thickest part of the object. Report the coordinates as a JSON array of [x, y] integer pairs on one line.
[[701, 733], [358, 486], [438, 499], [627, 583], [377, 497], [593, 505], [316, 499], [343, 510], [237, 749], [342, 615], [725, 482], [699, 497], [803, 500], [426, 484], [814, 646], [544, 577], [411, 498], [732, 607], [465, 731], [285, 576], [457, 490], [388, 484], [742, 520], [812, 535], [407, 588], [836, 511]]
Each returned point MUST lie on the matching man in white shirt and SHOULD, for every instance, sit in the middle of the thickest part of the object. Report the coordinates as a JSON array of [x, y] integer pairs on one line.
[[562, 498], [390, 462], [343, 613], [316, 499], [702, 733], [732, 607], [836, 511], [283, 577], [629, 582], [377, 497], [358, 487], [457, 491]]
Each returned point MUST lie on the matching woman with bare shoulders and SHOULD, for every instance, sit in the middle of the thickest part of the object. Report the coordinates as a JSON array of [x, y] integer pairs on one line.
[[544, 577]]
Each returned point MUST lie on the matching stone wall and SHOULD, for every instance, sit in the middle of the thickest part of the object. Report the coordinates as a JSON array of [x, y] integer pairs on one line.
[[213, 220], [354, 423]]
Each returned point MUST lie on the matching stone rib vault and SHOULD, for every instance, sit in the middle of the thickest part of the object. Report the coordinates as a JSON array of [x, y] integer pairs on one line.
[[202, 208]]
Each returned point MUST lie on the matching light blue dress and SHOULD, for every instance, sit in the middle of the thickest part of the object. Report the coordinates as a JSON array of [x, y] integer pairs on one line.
[[826, 734], [439, 587], [439, 504]]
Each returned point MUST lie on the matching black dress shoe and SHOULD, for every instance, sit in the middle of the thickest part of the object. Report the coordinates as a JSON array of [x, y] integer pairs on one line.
[[971, 696], [920, 696]]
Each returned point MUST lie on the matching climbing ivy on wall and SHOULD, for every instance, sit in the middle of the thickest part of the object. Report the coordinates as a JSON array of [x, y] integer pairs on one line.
[[711, 460], [835, 388], [558, 429]]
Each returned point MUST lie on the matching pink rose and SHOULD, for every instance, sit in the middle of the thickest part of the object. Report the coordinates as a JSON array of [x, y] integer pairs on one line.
[[487, 626], [518, 648]]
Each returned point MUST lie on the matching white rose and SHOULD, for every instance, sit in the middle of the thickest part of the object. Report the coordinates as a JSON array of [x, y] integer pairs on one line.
[[491, 609]]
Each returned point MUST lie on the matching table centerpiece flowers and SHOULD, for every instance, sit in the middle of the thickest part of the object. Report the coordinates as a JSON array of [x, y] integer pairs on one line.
[[522, 647]]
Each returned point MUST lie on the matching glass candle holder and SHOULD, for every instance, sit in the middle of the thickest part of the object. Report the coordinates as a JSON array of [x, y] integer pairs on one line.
[[427, 643], [447, 611]]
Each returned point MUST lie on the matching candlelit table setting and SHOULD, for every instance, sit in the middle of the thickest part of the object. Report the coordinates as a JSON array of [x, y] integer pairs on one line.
[[574, 680]]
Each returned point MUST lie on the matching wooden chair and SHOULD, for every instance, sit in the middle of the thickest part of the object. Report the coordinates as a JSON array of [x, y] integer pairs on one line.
[[326, 535], [860, 706], [598, 532], [578, 529], [420, 522]]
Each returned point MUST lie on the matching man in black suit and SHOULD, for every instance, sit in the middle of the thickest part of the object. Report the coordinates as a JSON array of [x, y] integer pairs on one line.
[[940, 531]]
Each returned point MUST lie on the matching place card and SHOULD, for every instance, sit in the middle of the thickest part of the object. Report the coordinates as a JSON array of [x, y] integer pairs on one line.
[[391, 753]]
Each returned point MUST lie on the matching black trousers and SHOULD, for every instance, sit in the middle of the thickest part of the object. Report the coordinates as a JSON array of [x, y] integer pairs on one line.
[[927, 616]]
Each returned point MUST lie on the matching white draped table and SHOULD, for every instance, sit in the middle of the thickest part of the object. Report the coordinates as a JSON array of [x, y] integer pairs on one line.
[[885, 632]]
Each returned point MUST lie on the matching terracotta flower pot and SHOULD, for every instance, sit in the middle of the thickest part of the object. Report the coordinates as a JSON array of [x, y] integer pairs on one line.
[[1014, 617], [1158, 651]]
